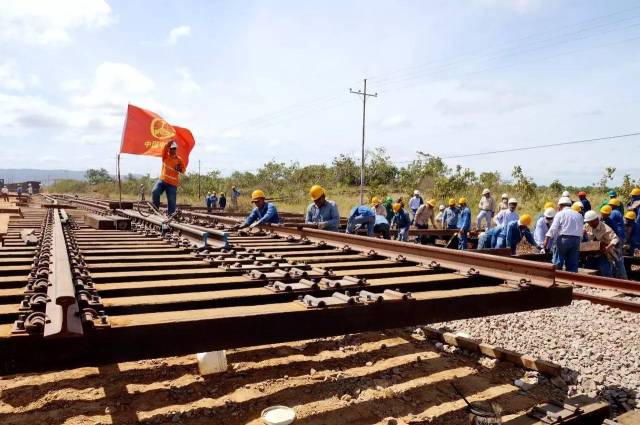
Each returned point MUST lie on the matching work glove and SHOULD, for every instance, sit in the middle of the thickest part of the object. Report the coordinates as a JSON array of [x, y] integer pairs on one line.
[[254, 224], [542, 250]]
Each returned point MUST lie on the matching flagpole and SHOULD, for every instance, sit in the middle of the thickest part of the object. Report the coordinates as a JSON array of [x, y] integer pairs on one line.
[[119, 180]]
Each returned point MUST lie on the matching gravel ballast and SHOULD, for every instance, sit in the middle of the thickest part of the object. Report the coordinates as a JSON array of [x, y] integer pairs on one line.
[[597, 346]]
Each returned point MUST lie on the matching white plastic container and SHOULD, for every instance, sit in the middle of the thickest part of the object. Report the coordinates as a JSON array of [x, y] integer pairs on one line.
[[278, 415], [212, 362]]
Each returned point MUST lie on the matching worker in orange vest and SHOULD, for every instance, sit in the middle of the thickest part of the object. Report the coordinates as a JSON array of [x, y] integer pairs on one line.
[[172, 166]]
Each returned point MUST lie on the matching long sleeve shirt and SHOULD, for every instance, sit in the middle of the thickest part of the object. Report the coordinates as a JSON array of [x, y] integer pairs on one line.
[[425, 214], [172, 166], [487, 204], [540, 231], [567, 222], [415, 202], [464, 219], [633, 235], [267, 214], [361, 211], [450, 218], [326, 217], [586, 205], [401, 219], [616, 222], [605, 234], [506, 216], [380, 210], [513, 234]]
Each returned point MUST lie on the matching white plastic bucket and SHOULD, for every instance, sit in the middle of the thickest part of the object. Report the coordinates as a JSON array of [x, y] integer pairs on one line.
[[212, 362]]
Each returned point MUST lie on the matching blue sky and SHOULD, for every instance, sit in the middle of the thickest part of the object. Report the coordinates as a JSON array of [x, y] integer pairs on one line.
[[262, 80]]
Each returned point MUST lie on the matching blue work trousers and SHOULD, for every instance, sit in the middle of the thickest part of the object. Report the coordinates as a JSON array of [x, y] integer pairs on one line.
[[370, 221], [172, 194], [601, 263], [619, 270], [462, 241], [403, 234], [567, 253]]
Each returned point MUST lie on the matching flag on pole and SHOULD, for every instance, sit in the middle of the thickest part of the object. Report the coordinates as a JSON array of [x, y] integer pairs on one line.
[[146, 133]]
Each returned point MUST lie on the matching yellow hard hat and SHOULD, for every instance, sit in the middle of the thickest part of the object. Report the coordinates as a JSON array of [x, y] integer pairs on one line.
[[548, 205], [525, 219], [614, 201], [452, 202], [630, 215], [256, 194], [635, 191], [316, 191], [396, 207], [462, 200], [432, 202], [375, 200], [577, 206], [606, 210]]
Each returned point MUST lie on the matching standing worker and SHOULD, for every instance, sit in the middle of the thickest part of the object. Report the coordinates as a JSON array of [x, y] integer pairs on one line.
[[5, 193], [222, 202], [263, 213], [141, 192], [361, 215], [172, 166], [29, 189], [586, 205], [426, 213], [507, 215], [450, 216], [19, 192], [214, 200], [464, 223], [207, 201], [596, 230], [401, 221], [440, 216], [487, 207], [614, 219], [632, 233], [235, 194], [322, 212], [566, 229], [504, 202], [415, 202], [542, 227]]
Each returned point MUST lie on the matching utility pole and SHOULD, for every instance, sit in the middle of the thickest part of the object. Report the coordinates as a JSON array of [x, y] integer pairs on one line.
[[364, 95], [198, 179]]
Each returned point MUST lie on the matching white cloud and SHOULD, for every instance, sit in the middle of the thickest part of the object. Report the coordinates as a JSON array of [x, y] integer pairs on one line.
[[396, 121], [178, 32], [187, 84], [519, 6], [13, 80], [114, 85], [51, 22]]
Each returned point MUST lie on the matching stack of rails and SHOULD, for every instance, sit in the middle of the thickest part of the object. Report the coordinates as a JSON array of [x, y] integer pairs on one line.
[[142, 293]]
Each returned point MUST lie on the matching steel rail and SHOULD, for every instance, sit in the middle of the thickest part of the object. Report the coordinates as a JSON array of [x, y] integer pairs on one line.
[[599, 282], [611, 302], [62, 310]]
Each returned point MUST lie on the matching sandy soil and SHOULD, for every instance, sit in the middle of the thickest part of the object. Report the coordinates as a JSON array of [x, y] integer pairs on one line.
[[357, 379]]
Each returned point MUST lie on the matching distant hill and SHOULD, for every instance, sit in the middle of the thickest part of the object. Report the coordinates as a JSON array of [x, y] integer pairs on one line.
[[11, 175]]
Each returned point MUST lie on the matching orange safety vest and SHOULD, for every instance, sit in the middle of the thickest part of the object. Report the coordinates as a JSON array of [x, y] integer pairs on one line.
[[169, 174]]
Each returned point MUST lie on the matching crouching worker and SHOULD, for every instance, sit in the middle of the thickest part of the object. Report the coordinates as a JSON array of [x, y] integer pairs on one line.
[[401, 221], [381, 227], [488, 239], [511, 234], [596, 230], [361, 215], [263, 213]]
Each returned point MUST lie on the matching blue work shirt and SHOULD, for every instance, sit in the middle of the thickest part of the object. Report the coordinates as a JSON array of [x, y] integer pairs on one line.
[[213, 199], [326, 217], [634, 205], [616, 222], [586, 205], [361, 211], [633, 232], [380, 219], [266, 214], [401, 219], [513, 234], [450, 217], [464, 220]]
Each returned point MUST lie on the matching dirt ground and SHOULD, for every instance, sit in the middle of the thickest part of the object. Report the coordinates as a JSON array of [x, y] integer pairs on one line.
[[356, 379]]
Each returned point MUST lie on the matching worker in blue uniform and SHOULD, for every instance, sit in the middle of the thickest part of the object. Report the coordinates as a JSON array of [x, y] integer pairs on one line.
[[464, 223], [361, 215], [263, 212]]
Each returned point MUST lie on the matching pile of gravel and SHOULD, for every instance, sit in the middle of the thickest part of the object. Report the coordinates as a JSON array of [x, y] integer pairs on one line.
[[597, 346]]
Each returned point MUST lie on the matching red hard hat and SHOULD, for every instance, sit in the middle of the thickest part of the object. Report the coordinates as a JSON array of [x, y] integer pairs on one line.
[[582, 193]]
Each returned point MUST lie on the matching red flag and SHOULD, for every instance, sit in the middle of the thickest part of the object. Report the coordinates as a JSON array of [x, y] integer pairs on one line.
[[146, 133]]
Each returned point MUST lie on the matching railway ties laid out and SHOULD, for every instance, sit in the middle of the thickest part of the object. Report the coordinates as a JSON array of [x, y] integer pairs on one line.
[[158, 290]]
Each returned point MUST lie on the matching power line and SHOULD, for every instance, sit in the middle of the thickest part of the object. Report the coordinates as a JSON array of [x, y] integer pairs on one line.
[[550, 145]]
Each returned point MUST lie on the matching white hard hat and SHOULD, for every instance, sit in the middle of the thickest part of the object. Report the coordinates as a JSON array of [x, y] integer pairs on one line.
[[173, 145], [590, 215], [416, 192], [486, 191], [566, 193], [441, 207], [513, 201], [504, 195], [549, 212], [564, 201]]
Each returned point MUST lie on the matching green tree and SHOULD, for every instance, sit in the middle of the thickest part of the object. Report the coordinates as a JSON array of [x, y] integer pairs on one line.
[[346, 171], [96, 176], [380, 171], [524, 186], [556, 186], [607, 176], [489, 179]]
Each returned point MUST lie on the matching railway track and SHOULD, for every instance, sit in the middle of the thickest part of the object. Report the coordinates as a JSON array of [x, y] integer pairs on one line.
[[84, 296]]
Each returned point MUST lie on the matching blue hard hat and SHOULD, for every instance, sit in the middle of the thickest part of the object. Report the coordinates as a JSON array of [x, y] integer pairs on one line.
[[613, 193]]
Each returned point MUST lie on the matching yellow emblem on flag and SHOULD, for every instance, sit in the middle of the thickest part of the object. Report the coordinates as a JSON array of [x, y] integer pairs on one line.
[[160, 129]]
